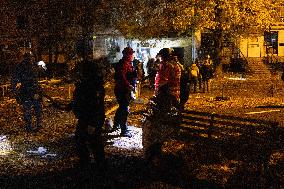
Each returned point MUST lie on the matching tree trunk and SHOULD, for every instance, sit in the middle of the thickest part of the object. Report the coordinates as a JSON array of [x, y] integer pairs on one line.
[[50, 51], [56, 54], [218, 35]]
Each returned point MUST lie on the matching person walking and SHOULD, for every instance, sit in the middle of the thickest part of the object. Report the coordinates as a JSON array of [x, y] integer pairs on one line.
[[125, 76], [29, 94]]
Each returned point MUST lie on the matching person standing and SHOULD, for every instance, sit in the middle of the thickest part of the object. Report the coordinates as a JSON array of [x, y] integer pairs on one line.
[[199, 64], [29, 94], [89, 108], [138, 68], [125, 76], [151, 72], [207, 73], [184, 87], [167, 81], [194, 75], [176, 77]]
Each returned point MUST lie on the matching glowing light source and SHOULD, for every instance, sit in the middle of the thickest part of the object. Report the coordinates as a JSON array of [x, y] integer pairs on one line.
[[5, 146], [42, 64]]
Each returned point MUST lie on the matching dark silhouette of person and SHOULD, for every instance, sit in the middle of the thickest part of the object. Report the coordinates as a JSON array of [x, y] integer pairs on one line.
[[206, 71], [184, 88], [138, 75], [29, 94], [152, 71], [89, 108], [125, 77]]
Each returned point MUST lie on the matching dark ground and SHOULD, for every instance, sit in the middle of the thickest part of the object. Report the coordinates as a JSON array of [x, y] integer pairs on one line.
[[186, 161]]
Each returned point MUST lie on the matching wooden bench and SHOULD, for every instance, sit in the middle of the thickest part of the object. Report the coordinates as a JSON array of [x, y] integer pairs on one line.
[[217, 125], [249, 141], [246, 139]]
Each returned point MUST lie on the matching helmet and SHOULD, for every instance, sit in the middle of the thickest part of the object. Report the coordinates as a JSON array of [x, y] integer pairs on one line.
[[128, 51], [165, 53]]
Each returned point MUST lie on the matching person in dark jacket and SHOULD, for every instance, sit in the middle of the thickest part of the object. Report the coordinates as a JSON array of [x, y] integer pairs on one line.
[[29, 94], [89, 108], [152, 71], [125, 77], [184, 88], [207, 73]]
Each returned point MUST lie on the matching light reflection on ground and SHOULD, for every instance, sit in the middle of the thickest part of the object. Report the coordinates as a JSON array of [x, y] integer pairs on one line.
[[135, 142], [5, 146]]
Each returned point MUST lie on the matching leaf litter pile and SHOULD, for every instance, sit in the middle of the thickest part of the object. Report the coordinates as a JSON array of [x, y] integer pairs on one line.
[[184, 162]]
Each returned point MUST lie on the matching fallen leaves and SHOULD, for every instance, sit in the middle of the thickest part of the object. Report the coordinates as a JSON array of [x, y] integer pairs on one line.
[[204, 160]]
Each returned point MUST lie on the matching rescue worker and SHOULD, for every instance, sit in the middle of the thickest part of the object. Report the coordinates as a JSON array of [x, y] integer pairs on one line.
[[29, 94], [88, 107], [167, 81], [207, 73], [125, 77]]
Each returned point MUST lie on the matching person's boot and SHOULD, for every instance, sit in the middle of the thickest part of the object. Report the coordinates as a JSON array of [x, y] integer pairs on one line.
[[116, 124], [29, 127], [38, 127], [28, 124], [115, 128], [125, 133], [39, 123]]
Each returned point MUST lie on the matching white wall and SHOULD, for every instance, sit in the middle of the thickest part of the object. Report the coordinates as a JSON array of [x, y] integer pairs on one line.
[[281, 43], [104, 44], [252, 47]]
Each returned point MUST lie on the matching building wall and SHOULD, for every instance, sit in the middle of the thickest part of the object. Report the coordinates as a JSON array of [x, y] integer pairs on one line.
[[281, 43], [155, 45], [252, 47]]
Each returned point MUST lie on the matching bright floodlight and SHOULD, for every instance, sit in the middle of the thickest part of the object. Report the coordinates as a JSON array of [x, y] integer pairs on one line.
[[5, 146], [42, 64]]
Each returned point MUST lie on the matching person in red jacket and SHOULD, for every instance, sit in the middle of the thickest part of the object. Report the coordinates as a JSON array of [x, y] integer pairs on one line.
[[162, 77], [167, 81], [125, 77]]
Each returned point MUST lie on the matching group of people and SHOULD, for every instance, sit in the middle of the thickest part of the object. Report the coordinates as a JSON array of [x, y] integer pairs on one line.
[[88, 98], [195, 78], [87, 104], [169, 76], [200, 74]]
